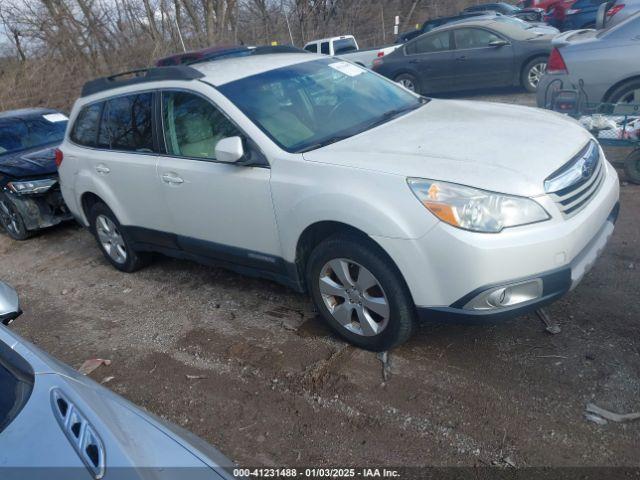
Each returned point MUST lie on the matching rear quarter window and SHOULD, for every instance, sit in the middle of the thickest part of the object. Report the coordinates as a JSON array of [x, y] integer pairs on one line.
[[85, 128]]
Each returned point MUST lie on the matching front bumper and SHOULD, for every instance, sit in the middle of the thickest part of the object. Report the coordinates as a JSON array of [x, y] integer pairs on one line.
[[447, 266], [554, 285], [42, 210]]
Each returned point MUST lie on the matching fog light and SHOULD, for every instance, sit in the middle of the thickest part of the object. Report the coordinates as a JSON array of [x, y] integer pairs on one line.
[[506, 295]]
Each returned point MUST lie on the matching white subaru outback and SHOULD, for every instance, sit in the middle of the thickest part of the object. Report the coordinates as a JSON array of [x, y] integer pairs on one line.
[[385, 206]]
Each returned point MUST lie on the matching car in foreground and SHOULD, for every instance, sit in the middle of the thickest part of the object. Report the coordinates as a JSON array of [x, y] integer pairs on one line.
[[58, 423], [619, 10], [596, 64], [475, 54], [330, 179], [30, 197]]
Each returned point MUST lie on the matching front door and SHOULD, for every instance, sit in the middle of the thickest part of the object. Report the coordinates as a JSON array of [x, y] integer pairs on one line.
[[482, 59], [218, 210]]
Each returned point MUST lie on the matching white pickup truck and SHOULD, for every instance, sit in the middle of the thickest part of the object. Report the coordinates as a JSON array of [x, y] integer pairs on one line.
[[346, 47]]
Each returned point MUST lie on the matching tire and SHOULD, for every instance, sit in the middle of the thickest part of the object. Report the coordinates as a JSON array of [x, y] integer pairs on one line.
[[408, 81], [628, 92], [11, 220], [632, 167], [382, 285], [113, 241], [532, 73]]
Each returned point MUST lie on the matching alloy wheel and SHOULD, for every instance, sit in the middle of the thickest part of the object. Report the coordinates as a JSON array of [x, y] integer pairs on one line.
[[9, 218], [408, 84], [535, 73], [111, 239], [354, 297]]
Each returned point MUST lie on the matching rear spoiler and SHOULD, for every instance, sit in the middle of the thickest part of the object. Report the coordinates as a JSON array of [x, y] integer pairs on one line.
[[565, 38]]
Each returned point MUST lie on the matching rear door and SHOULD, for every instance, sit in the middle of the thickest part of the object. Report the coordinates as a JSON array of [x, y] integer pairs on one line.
[[478, 63], [122, 157], [430, 58]]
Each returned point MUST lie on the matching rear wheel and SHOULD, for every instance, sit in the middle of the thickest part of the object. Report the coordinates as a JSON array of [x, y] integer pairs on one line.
[[360, 293], [11, 220], [532, 73], [113, 240], [632, 167], [628, 92], [408, 81]]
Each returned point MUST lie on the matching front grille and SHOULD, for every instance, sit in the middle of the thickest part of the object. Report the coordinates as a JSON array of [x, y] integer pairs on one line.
[[577, 182]]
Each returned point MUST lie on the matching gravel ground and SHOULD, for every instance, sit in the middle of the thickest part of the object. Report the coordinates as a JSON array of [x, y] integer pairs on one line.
[[277, 388]]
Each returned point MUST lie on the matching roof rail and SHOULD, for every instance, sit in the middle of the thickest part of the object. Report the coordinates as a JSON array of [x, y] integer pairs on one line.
[[141, 75], [245, 52]]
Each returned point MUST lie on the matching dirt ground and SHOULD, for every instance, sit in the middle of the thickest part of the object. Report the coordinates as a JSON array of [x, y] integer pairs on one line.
[[278, 388]]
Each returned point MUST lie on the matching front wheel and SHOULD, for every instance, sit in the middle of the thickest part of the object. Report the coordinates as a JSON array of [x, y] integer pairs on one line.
[[408, 81], [11, 220], [532, 73], [360, 293]]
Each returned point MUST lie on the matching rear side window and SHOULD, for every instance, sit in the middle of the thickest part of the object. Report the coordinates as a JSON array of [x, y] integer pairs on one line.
[[126, 124], [85, 128], [324, 48], [437, 42]]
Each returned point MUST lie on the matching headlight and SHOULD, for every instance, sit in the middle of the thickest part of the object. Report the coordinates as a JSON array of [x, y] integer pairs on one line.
[[32, 186], [474, 209]]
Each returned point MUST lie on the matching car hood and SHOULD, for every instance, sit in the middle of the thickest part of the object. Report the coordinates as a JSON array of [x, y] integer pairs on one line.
[[497, 147], [29, 163]]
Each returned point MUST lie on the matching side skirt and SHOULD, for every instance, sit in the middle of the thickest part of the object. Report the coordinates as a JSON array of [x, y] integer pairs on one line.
[[246, 262]]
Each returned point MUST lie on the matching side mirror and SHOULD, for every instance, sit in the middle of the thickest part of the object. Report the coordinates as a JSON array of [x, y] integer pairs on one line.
[[9, 304], [229, 150], [499, 43]]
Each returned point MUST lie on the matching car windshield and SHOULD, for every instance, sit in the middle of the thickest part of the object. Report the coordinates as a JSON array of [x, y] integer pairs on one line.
[[17, 134], [308, 105]]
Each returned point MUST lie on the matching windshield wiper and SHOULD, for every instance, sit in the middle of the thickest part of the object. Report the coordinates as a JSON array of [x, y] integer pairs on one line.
[[324, 143]]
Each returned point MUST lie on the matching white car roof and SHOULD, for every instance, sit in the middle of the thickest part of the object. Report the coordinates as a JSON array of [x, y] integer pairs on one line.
[[219, 72], [329, 39]]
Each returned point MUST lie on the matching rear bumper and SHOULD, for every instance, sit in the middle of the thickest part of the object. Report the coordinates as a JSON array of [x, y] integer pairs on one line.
[[555, 283]]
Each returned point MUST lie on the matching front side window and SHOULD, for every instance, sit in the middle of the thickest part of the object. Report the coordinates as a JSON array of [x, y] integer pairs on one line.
[[311, 104], [324, 48], [313, 48], [474, 38], [193, 126], [85, 128], [437, 42], [126, 124]]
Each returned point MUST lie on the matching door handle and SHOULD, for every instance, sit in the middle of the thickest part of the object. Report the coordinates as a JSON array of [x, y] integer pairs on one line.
[[415, 60], [172, 178], [463, 58], [103, 169]]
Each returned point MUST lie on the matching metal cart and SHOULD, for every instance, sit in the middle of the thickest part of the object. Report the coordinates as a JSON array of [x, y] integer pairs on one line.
[[614, 125]]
